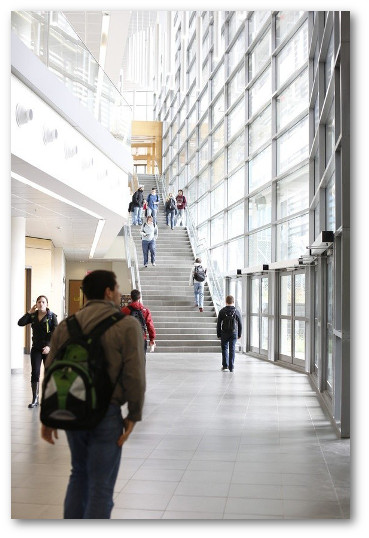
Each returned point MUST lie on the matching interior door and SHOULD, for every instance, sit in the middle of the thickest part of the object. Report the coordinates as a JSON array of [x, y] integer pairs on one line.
[[76, 298]]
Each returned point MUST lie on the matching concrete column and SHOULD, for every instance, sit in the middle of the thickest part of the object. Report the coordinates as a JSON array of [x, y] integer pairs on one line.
[[17, 290]]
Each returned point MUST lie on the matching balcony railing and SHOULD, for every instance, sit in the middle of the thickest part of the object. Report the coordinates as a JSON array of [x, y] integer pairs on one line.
[[49, 36]]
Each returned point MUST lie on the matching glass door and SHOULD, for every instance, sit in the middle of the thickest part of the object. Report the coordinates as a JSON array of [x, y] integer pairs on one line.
[[259, 310], [292, 318]]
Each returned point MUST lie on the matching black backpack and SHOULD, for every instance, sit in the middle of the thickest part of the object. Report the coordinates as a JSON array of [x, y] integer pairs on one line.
[[76, 390], [229, 324], [172, 204], [199, 274], [136, 313]]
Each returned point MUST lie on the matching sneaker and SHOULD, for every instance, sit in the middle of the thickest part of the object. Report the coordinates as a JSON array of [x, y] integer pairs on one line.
[[154, 264], [231, 371], [145, 265], [225, 369]]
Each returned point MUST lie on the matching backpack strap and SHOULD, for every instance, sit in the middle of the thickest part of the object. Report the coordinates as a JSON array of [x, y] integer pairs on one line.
[[75, 330]]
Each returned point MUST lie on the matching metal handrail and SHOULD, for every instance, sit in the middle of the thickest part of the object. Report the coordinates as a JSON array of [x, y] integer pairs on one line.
[[200, 249], [132, 261]]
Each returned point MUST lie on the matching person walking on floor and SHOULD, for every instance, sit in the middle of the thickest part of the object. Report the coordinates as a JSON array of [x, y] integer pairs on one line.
[[96, 453], [229, 329], [181, 208], [137, 205], [153, 204], [143, 314], [170, 210], [149, 234], [197, 279], [43, 325]]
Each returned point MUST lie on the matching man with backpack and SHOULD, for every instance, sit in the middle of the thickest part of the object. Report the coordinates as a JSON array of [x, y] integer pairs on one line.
[[143, 314], [95, 450], [229, 329], [197, 279]]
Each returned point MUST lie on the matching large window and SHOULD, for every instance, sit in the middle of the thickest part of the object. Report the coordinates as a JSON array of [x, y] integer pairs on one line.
[[293, 100], [293, 147], [260, 130], [293, 55], [260, 92], [260, 169], [293, 193]]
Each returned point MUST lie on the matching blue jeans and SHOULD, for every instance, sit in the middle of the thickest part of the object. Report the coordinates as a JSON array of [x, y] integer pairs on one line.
[[181, 217], [172, 215], [228, 341], [198, 289], [152, 213], [95, 458], [146, 247], [136, 215]]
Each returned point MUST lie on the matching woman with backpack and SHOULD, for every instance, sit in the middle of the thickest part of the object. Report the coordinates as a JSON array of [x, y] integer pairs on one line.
[[43, 325], [170, 210], [198, 278]]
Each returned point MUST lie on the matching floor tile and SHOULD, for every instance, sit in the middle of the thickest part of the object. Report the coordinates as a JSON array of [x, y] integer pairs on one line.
[[253, 446]]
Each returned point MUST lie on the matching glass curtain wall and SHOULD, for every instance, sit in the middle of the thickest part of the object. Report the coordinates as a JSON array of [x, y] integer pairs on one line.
[[263, 158], [247, 139]]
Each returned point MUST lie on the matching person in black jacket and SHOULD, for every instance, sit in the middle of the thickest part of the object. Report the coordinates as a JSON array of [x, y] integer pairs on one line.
[[137, 204], [229, 329], [43, 324]]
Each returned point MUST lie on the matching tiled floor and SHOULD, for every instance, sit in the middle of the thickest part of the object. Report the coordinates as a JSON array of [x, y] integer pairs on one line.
[[254, 444]]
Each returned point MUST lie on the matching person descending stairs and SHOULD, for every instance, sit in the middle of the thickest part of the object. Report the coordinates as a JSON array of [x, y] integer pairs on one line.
[[180, 327]]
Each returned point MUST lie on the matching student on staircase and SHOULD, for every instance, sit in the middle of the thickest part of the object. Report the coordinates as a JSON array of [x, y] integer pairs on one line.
[[149, 234]]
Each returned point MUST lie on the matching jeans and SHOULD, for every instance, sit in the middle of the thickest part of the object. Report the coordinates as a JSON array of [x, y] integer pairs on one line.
[[146, 247], [228, 341], [172, 215], [37, 357], [181, 217], [95, 459], [152, 213], [136, 215], [198, 289]]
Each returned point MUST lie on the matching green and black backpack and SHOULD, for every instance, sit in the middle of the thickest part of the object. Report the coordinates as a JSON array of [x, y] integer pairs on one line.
[[76, 390]]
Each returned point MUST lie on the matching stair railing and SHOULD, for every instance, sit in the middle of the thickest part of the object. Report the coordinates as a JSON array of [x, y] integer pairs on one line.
[[131, 256], [201, 250], [214, 277]]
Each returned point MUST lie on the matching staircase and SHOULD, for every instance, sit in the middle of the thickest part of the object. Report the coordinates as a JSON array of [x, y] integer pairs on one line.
[[180, 327]]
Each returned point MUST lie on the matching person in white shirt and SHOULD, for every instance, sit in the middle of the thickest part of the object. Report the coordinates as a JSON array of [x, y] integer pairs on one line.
[[149, 234]]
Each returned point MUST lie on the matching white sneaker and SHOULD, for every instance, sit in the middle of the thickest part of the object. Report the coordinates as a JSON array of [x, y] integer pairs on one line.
[[225, 369]]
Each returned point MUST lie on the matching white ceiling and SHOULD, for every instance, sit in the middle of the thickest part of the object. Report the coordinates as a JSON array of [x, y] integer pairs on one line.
[[68, 227]]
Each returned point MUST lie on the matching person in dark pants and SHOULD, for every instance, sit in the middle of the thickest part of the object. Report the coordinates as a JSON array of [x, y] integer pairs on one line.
[[229, 329], [96, 453], [43, 325], [149, 234], [136, 304]]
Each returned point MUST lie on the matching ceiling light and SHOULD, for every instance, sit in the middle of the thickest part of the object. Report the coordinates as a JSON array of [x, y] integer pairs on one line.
[[99, 229]]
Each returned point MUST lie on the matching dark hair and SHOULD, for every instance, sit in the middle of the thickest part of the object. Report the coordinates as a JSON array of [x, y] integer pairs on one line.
[[44, 296], [198, 260], [135, 295], [95, 283], [180, 190], [229, 299]]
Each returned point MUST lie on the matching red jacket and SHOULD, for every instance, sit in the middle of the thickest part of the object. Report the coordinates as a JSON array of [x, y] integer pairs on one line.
[[146, 314]]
